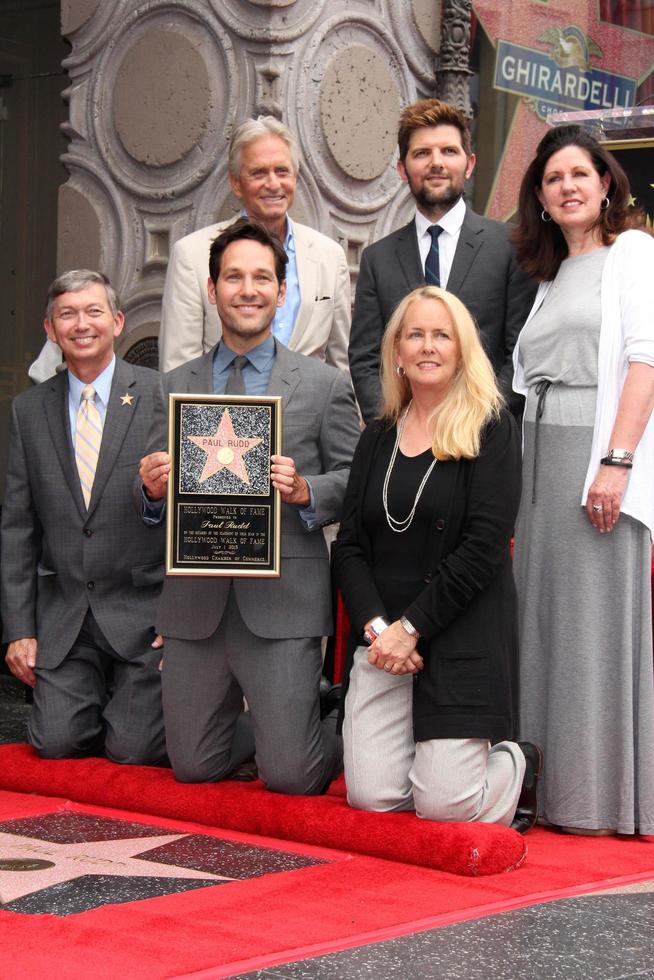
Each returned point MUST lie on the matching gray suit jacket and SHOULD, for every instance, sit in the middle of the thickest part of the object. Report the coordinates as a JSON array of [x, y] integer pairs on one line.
[[485, 276], [320, 430], [58, 560]]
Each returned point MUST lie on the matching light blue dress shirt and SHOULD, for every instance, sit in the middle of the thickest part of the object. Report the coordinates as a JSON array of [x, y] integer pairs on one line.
[[256, 373], [286, 315]]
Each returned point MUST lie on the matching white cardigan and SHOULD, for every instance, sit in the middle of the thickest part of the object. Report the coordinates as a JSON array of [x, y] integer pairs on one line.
[[626, 335]]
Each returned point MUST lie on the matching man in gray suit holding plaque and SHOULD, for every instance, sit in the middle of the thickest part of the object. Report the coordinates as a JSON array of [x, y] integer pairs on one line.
[[81, 574], [447, 245], [259, 638]]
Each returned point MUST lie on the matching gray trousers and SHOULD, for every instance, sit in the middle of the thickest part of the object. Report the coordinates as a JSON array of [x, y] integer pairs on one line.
[[441, 779], [96, 703], [204, 682]]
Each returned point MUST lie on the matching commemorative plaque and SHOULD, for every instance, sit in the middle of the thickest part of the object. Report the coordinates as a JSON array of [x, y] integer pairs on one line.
[[223, 513]]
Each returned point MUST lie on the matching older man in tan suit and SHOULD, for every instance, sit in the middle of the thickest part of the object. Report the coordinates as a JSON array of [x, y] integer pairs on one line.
[[315, 319]]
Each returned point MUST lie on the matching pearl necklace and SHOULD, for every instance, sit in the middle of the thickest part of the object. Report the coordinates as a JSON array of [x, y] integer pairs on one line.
[[403, 525]]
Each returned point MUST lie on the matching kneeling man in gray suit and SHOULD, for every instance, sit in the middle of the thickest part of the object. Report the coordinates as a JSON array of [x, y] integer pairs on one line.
[[81, 574], [259, 638]]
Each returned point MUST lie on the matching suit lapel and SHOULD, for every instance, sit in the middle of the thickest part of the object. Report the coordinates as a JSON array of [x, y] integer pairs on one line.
[[307, 276], [200, 375], [407, 255], [116, 424], [470, 241], [58, 422], [285, 374]]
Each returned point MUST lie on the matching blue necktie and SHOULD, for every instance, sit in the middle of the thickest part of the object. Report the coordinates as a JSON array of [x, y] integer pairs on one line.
[[432, 262]]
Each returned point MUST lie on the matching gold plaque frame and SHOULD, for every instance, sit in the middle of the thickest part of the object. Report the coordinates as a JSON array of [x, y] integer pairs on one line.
[[223, 513]]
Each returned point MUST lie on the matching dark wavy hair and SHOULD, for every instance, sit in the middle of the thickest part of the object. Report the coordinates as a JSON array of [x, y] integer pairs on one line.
[[540, 245], [253, 231]]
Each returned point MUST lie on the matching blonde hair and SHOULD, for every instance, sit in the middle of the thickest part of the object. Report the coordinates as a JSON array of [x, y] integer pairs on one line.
[[473, 398]]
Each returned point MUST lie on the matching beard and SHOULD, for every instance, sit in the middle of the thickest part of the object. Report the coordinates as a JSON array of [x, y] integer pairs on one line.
[[443, 198]]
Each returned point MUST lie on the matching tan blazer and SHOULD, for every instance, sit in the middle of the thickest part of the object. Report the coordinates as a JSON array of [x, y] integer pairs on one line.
[[189, 322]]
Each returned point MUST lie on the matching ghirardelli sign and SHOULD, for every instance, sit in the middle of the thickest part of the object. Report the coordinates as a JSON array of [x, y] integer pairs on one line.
[[563, 75]]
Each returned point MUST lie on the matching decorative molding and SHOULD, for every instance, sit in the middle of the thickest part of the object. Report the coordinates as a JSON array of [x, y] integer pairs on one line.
[[337, 34], [156, 87]]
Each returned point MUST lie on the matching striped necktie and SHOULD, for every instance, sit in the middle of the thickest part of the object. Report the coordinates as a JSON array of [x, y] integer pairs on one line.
[[432, 262], [88, 436]]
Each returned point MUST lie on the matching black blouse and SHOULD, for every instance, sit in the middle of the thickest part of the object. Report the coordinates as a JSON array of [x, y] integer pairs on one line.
[[399, 560]]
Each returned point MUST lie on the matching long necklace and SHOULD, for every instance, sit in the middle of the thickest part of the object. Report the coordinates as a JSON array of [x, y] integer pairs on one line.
[[400, 526]]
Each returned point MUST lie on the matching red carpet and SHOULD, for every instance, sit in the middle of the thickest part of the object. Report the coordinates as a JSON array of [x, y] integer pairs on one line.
[[217, 932], [459, 848]]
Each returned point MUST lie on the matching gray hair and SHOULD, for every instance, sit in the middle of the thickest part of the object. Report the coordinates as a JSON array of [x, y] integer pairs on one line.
[[74, 281], [254, 129]]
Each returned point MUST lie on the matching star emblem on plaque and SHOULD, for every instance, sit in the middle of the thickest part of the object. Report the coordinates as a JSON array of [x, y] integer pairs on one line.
[[223, 514], [225, 450]]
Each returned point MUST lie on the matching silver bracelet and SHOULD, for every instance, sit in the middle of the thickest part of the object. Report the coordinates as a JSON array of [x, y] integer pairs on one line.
[[409, 627]]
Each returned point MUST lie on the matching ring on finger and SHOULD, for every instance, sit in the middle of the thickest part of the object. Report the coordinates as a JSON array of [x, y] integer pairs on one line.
[[598, 508]]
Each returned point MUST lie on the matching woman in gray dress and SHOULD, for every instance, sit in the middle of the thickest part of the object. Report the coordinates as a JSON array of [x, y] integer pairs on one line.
[[585, 362]]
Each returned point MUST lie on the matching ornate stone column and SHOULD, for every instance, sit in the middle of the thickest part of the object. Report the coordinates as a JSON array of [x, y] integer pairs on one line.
[[453, 71]]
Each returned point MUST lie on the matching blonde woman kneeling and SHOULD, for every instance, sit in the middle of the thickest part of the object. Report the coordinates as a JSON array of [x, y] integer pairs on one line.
[[422, 559]]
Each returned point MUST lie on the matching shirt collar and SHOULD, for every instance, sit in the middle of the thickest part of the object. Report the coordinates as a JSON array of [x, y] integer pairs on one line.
[[102, 384], [259, 356], [450, 222], [289, 241]]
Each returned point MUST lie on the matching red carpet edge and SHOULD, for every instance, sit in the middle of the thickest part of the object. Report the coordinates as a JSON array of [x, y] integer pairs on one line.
[[469, 849]]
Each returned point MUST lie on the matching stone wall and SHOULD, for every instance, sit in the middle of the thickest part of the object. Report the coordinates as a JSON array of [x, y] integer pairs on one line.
[[156, 87]]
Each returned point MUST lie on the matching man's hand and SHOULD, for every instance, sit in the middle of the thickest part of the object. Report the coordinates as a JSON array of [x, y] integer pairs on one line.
[[154, 471], [157, 644], [285, 478], [21, 659]]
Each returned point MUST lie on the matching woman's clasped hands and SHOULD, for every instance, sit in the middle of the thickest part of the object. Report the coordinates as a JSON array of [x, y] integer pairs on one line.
[[394, 651]]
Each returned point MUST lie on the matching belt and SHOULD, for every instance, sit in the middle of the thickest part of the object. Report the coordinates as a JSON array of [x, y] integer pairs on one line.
[[541, 390]]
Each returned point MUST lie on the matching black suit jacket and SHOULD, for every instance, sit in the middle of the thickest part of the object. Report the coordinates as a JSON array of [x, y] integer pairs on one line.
[[466, 612], [485, 276]]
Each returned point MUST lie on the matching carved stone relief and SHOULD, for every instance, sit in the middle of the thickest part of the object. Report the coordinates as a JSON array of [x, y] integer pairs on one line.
[[156, 87]]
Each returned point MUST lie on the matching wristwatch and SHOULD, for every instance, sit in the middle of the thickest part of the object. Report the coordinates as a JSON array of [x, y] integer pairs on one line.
[[409, 627], [372, 631]]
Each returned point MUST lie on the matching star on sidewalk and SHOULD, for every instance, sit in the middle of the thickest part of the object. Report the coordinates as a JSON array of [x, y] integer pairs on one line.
[[125, 858], [225, 450]]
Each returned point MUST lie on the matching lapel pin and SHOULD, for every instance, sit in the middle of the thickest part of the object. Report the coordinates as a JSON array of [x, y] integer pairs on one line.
[[126, 399]]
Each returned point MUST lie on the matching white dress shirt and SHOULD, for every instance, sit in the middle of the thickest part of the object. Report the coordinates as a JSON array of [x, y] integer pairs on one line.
[[451, 223]]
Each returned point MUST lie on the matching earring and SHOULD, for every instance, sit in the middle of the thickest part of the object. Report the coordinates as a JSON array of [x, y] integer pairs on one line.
[[605, 203], [545, 215], [399, 370]]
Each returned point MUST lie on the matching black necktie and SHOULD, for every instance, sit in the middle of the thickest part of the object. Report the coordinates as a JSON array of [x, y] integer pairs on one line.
[[235, 384], [432, 262]]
